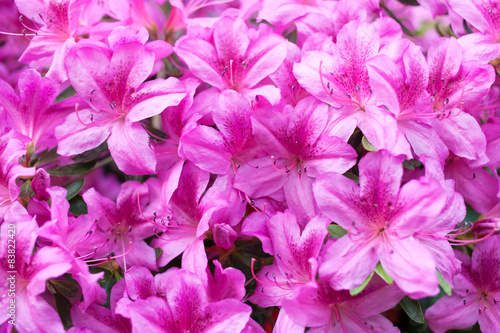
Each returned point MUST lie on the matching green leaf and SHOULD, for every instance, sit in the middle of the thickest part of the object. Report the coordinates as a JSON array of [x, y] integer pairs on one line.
[[412, 309], [45, 156], [367, 145], [68, 289], [26, 190], [445, 285], [409, 2], [68, 92], [352, 176], [74, 188], [158, 252], [336, 231], [359, 289], [383, 274], [72, 169], [92, 154], [408, 165], [77, 206], [63, 306]]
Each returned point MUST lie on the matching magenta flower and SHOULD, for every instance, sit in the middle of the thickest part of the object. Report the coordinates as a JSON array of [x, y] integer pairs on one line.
[[455, 85], [482, 15], [112, 79], [408, 76], [476, 292], [119, 228], [186, 220], [383, 220], [12, 148], [33, 312], [221, 151], [298, 150], [34, 112], [97, 318], [58, 21], [324, 309], [341, 78], [234, 57], [296, 254], [184, 307]]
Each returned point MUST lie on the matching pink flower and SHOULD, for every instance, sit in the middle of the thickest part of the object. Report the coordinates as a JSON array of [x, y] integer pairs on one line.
[[112, 79], [230, 56], [476, 292], [383, 220], [184, 307]]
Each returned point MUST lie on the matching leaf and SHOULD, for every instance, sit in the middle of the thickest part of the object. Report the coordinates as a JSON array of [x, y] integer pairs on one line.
[[68, 289], [72, 169], [158, 252], [445, 285], [467, 29], [63, 306], [409, 2], [77, 206], [336, 231], [92, 154], [413, 309], [74, 188], [408, 165], [383, 274], [68, 92], [45, 156], [359, 289], [26, 190], [352, 176], [367, 145]]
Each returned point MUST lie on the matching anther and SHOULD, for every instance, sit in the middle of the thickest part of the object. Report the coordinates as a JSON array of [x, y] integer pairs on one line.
[[224, 71]]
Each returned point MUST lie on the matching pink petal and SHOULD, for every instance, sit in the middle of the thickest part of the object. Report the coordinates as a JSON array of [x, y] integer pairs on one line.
[[347, 264], [128, 145], [411, 266]]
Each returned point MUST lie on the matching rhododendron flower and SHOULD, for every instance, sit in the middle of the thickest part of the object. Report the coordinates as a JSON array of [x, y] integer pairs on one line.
[[184, 308], [234, 57], [34, 112], [296, 254], [119, 228], [12, 147], [111, 79], [31, 274], [383, 221], [324, 309], [59, 20], [249, 166], [298, 150], [482, 15], [476, 292], [341, 79]]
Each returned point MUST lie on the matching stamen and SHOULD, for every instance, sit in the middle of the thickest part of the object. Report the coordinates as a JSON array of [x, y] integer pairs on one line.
[[252, 204], [109, 257]]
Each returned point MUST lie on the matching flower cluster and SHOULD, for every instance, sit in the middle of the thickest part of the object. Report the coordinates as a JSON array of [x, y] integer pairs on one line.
[[249, 165]]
